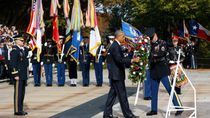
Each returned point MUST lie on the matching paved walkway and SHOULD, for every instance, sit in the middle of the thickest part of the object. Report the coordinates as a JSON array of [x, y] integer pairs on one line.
[[87, 102]]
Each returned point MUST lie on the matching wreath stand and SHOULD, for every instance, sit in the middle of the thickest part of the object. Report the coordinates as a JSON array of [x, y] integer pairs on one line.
[[171, 107], [137, 93]]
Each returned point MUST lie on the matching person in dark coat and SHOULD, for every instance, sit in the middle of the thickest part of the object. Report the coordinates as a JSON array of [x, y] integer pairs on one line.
[[117, 76], [19, 64]]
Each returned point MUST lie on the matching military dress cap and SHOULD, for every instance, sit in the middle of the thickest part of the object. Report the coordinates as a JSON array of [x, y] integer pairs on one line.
[[150, 32], [61, 37], [175, 37], [111, 37], [19, 37]]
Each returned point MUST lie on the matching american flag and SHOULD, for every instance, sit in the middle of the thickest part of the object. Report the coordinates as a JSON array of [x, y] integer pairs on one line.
[[32, 24]]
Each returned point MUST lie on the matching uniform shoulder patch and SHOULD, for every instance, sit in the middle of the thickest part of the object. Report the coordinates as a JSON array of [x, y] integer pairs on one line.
[[163, 48]]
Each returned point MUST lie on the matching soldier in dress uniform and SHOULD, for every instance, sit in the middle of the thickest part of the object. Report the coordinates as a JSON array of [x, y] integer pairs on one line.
[[19, 63], [72, 68], [7, 50], [173, 56], [60, 59], [110, 40], [48, 59], [98, 65], [160, 71], [36, 68], [85, 59]]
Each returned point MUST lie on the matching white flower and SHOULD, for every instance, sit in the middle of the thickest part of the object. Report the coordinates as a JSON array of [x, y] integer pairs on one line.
[[142, 48], [145, 40], [140, 41], [134, 73], [140, 73], [141, 63]]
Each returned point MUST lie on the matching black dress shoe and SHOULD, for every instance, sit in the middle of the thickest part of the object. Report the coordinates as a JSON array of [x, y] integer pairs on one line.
[[37, 85], [73, 85], [20, 113], [99, 85], [85, 85], [151, 113], [147, 98], [49, 85], [178, 113], [25, 113], [109, 116]]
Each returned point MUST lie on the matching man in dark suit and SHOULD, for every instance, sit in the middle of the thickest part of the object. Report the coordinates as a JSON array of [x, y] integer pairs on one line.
[[117, 76], [19, 64]]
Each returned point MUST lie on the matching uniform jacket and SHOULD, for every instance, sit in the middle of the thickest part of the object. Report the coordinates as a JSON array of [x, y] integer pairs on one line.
[[19, 62], [159, 66], [49, 53]]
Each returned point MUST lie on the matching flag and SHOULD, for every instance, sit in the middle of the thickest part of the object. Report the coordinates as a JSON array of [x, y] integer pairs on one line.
[[91, 21], [183, 32], [76, 24], [95, 41], [54, 13], [31, 26], [76, 40], [66, 10], [76, 16], [196, 29], [55, 35], [67, 44], [130, 31], [32, 44], [54, 8], [39, 28]]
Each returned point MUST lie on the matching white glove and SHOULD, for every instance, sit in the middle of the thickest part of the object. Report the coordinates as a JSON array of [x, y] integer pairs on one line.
[[30, 54], [171, 62], [41, 63]]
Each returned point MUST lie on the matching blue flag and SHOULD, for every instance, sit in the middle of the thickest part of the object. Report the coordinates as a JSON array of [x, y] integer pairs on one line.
[[130, 31], [67, 44], [76, 40]]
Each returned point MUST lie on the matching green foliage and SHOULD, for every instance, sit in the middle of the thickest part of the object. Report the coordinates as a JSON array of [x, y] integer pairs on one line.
[[137, 71]]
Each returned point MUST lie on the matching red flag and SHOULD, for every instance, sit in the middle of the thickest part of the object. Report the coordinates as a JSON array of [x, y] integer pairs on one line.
[[56, 33]]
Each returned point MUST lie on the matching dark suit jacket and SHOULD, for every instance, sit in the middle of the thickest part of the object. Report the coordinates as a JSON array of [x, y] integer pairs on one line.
[[117, 62]]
